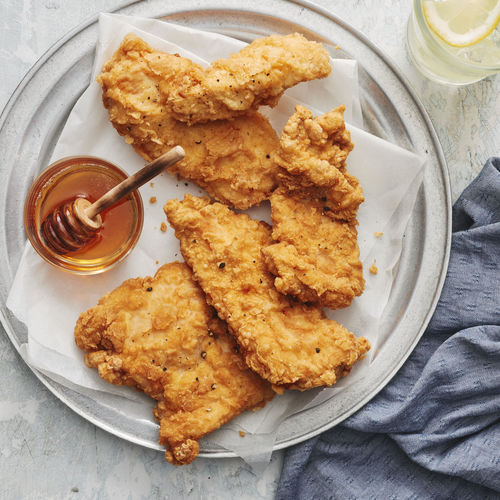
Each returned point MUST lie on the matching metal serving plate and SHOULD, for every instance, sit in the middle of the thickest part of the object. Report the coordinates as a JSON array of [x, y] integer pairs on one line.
[[35, 115]]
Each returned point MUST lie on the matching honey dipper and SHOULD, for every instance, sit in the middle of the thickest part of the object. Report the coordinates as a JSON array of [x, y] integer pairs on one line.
[[74, 224]]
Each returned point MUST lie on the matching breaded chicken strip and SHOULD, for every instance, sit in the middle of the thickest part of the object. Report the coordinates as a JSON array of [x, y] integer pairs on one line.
[[316, 258], [314, 213], [291, 344], [313, 151], [231, 160], [159, 336], [256, 76]]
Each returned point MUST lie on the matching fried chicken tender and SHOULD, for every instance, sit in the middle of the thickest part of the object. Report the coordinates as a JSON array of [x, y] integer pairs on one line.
[[160, 336], [232, 160], [289, 343], [316, 258], [314, 213], [256, 76], [313, 152]]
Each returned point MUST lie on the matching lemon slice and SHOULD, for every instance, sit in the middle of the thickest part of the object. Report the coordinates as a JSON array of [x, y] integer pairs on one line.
[[461, 23]]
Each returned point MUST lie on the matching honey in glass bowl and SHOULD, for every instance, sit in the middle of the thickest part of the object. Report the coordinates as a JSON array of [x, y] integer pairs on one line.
[[91, 178]]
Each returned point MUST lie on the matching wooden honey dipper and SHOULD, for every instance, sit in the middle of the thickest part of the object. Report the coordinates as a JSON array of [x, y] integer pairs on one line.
[[74, 224]]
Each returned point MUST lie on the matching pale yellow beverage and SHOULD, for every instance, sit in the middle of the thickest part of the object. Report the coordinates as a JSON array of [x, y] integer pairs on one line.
[[442, 50]]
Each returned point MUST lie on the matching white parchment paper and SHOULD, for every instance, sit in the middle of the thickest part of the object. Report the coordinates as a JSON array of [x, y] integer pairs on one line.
[[49, 301]]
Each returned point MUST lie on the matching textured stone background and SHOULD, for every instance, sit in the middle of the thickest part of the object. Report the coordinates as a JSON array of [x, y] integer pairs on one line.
[[49, 452]]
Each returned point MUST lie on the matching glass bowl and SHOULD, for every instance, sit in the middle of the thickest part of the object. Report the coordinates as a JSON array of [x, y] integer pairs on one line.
[[89, 177]]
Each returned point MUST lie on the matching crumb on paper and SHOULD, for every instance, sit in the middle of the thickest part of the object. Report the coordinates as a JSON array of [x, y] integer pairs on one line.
[[152, 199], [378, 234], [163, 227], [337, 47], [374, 268], [157, 262], [152, 184], [242, 434]]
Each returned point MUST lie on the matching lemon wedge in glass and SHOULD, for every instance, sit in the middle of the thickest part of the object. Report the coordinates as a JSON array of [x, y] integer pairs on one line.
[[461, 23]]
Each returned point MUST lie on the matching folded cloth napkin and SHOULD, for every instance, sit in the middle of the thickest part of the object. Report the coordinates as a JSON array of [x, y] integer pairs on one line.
[[434, 431]]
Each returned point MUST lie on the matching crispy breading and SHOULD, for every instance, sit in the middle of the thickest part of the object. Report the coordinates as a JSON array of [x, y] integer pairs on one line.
[[314, 213], [232, 160], [316, 258], [256, 76], [160, 336], [291, 344], [313, 152]]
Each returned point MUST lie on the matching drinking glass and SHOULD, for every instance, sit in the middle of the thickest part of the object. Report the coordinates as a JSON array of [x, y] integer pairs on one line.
[[446, 64]]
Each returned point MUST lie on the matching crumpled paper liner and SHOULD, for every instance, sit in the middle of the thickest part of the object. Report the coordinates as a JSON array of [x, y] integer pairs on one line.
[[49, 301]]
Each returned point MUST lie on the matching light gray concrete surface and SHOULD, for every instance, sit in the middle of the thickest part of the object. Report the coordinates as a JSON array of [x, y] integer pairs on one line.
[[49, 452]]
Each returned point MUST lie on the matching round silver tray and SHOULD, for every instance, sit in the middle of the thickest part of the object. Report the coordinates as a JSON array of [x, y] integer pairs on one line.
[[35, 115]]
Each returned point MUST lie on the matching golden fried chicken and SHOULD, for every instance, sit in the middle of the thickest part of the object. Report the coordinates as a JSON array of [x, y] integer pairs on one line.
[[289, 343], [313, 152], [160, 336], [314, 213], [316, 258], [231, 160], [256, 76]]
